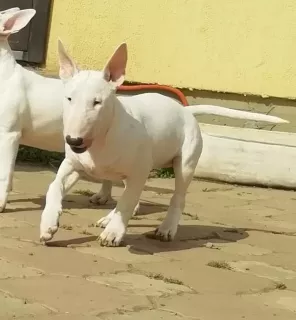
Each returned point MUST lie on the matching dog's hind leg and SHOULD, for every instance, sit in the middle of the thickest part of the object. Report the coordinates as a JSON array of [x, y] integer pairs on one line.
[[104, 195], [103, 222], [9, 143], [184, 167]]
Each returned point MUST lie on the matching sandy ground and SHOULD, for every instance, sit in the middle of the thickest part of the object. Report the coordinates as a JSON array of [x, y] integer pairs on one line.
[[234, 256]]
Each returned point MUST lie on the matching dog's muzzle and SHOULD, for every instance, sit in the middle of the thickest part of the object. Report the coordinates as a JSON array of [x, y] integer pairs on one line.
[[77, 145]]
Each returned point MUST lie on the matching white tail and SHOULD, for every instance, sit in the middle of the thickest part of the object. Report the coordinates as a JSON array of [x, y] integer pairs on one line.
[[231, 113]]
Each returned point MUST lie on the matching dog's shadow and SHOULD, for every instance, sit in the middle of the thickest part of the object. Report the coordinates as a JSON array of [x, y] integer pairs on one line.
[[80, 199], [77, 201], [188, 237]]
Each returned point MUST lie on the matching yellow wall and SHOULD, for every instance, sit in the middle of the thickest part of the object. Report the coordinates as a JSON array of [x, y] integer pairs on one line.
[[243, 46]]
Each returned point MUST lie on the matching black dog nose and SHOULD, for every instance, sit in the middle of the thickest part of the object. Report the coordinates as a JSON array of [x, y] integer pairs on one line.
[[75, 142]]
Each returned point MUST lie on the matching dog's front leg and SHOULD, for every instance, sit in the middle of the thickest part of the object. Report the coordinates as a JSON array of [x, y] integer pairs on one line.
[[120, 216], [66, 176], [9, 143]]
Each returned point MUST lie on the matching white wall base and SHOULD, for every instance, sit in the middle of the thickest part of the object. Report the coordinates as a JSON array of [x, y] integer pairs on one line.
[[248, 156]]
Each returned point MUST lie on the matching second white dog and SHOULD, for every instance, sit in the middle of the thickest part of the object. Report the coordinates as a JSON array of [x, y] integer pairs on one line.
[[31, 107]]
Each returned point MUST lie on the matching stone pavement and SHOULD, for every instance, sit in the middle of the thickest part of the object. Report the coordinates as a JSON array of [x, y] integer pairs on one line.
[[234, 256]]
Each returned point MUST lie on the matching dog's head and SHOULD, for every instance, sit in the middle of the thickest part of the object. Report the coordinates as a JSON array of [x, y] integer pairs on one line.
[[88, 97], [13, 20]]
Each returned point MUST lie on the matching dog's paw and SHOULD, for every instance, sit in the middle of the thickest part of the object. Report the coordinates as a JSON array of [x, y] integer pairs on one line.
[[2, 206], [100, 198], [3, 201], [49, 224], [103, 222], [166, 231], [114, 232], [48, 234], [164, 235]]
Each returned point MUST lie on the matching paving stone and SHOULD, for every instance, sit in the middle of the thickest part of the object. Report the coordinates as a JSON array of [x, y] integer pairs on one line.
[[224, 306], [12, 308], [73, 295]]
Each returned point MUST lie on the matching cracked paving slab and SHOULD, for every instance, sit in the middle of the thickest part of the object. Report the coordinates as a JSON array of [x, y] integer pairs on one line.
[[264, 270], [13, 308], [225, 306], [9, 269], [142, 284], [282, 299], [73, 295], [161, 314]]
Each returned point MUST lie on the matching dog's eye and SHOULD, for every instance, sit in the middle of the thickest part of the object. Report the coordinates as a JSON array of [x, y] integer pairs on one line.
[[96, 102], [69, 99]]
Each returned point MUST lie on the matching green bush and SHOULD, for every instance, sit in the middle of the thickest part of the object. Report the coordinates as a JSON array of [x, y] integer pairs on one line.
[[54, 159], [164, 173], [41, 157]]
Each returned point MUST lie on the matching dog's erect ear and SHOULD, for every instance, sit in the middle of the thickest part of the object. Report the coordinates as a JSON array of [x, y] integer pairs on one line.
[[114, 70], [16, 21], [68, 67], [9, 11]]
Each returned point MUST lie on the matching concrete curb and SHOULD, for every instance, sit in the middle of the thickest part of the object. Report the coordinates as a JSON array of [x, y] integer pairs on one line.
[[248, 156]]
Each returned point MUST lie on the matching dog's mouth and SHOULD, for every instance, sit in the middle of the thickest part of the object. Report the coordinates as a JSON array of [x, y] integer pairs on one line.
[[79, 149], [83, 147], [78, 145]]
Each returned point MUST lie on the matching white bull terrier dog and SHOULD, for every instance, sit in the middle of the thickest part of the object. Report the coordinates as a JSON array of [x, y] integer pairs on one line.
[[123, 138], [31, 106]]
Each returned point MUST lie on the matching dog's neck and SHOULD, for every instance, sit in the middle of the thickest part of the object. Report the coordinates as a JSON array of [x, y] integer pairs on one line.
[[7, 60]]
